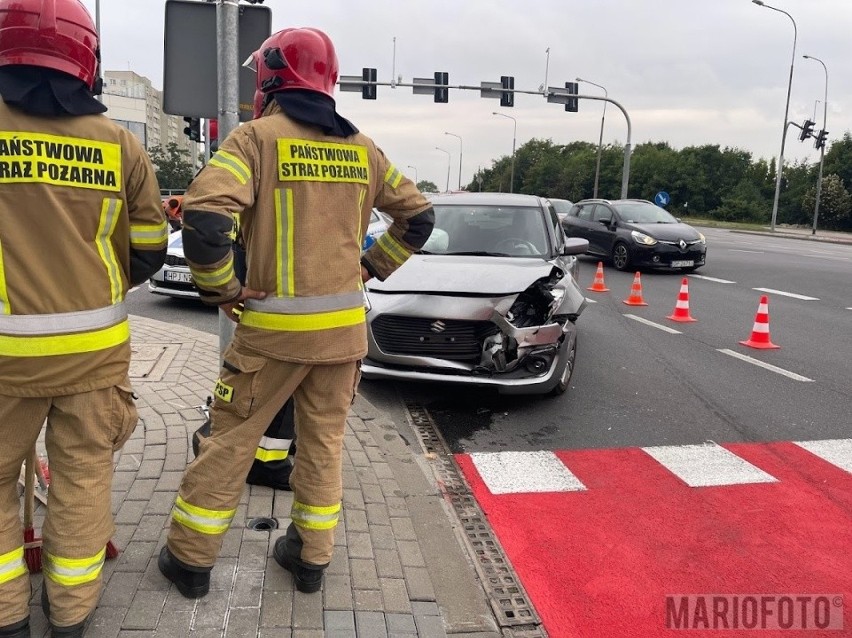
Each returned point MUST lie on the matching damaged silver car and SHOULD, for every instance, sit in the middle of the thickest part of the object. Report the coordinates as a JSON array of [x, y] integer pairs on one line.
[[491, 300]]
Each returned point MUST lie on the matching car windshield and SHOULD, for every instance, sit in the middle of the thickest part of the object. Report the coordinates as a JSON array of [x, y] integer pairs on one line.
[[561, 206], [509, 231], [644, 213]]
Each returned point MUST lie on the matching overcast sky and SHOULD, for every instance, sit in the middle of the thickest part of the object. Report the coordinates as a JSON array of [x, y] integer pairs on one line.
[[688, 72]]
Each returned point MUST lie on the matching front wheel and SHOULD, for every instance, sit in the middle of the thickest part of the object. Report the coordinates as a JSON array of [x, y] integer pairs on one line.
[[567, 371], [621, 256]]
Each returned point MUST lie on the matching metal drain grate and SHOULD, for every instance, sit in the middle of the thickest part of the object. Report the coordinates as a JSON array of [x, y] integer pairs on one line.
[[505, 593]]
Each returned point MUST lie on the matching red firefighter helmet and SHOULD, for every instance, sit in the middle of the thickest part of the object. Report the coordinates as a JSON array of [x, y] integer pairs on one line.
[[302, 58], [55, 34]]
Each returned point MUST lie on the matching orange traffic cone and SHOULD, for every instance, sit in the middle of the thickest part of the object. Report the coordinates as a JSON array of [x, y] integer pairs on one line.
[[598, 284], [635, 298], [760, 332], [681, 309]]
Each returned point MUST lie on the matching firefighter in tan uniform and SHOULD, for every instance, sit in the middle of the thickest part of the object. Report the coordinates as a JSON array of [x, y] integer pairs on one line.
[[80, 222], [304, 181]]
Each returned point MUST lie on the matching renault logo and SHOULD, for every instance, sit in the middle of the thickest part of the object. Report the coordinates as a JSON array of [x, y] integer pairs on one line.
[[438, 326], [682, 244]]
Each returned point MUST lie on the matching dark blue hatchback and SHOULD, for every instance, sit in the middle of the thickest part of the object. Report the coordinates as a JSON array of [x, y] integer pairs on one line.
[[636, 233]]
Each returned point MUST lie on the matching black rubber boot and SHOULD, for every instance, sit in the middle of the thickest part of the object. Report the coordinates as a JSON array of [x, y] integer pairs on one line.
[[287, 553], [73, 631], [191, 582], [20, 629], [274, 474]]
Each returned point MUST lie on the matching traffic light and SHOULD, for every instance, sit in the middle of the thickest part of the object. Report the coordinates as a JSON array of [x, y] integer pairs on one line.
[[368, 91], [807, 130], [192, 128], [442, 91], [573, 103], [507, 97], [820, 139]]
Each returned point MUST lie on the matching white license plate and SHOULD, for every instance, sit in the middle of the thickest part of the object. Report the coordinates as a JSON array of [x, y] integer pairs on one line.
[[180, 277], [683, 263]]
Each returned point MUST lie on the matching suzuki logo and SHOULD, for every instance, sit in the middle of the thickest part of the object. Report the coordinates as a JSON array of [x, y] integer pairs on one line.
[[682, 244], [438, 326]]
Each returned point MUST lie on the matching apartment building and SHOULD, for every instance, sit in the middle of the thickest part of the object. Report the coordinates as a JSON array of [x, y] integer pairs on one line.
[[134, 103]]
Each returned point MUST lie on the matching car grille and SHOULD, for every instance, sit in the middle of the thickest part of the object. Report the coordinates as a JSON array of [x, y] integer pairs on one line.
[[440, 338], [676, 244], [174, 260]]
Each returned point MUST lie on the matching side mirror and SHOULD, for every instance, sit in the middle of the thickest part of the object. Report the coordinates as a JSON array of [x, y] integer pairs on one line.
[[606, 222], [575, 246]]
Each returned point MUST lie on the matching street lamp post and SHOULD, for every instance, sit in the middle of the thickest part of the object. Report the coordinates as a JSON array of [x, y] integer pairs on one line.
[[414, 168], [461, 150], [600, 139], [514, 140], [822, 148], [449, 161], [780, 167]]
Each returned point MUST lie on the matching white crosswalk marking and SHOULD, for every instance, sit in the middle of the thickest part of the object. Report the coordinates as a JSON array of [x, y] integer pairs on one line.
[[707, 465], [836, 451], [524, 472]]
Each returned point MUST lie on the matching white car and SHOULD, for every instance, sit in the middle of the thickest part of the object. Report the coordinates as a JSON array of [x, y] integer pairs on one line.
[[490, 300], [174, 278]]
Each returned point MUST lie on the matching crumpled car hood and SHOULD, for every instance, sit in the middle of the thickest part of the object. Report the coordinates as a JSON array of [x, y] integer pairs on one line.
[[469, 275]]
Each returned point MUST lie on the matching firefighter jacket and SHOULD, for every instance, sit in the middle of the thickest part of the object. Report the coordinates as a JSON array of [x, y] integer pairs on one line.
[[81, 222], [304, 200]]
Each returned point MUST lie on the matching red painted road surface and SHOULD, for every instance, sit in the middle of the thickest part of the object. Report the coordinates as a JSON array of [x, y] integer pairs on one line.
[[599, 563]]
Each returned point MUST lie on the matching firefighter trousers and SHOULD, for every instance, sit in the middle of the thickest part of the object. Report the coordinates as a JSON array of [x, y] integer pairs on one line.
[[83, 431], [251, 389]]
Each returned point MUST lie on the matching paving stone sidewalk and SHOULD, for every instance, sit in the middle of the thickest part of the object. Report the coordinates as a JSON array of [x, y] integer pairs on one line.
[[381, 582]]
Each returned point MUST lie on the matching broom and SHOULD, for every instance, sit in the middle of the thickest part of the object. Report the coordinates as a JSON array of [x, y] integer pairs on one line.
[[44, 479], [32, 544]]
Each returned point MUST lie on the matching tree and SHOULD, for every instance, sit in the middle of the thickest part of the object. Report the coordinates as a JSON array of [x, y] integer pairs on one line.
[[835, 204], [174, 170], [838, 158], [425, 186]]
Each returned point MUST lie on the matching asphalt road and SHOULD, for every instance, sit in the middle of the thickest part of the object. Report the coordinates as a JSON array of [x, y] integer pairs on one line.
[[637, 384]]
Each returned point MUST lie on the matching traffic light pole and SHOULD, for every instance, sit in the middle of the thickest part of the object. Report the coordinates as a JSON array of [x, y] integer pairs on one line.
[[818, 189], [558, 95], [206, 141], [227, 32], [822, 144], [625, 172]]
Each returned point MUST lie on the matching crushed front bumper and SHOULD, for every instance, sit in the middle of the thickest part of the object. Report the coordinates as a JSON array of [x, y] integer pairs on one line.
[[519, 381]]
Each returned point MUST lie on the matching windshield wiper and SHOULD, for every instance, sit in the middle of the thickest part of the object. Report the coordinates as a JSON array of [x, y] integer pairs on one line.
[[480, 253]]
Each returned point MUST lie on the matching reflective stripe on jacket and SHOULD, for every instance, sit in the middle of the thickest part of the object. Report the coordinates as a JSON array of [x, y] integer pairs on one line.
[[82, 221]]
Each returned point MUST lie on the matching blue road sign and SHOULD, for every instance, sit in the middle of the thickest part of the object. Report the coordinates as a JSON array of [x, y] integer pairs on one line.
[[662, 199]]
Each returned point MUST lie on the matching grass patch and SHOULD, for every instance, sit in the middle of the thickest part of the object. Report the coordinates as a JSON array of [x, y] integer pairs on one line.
[[716, 223]]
